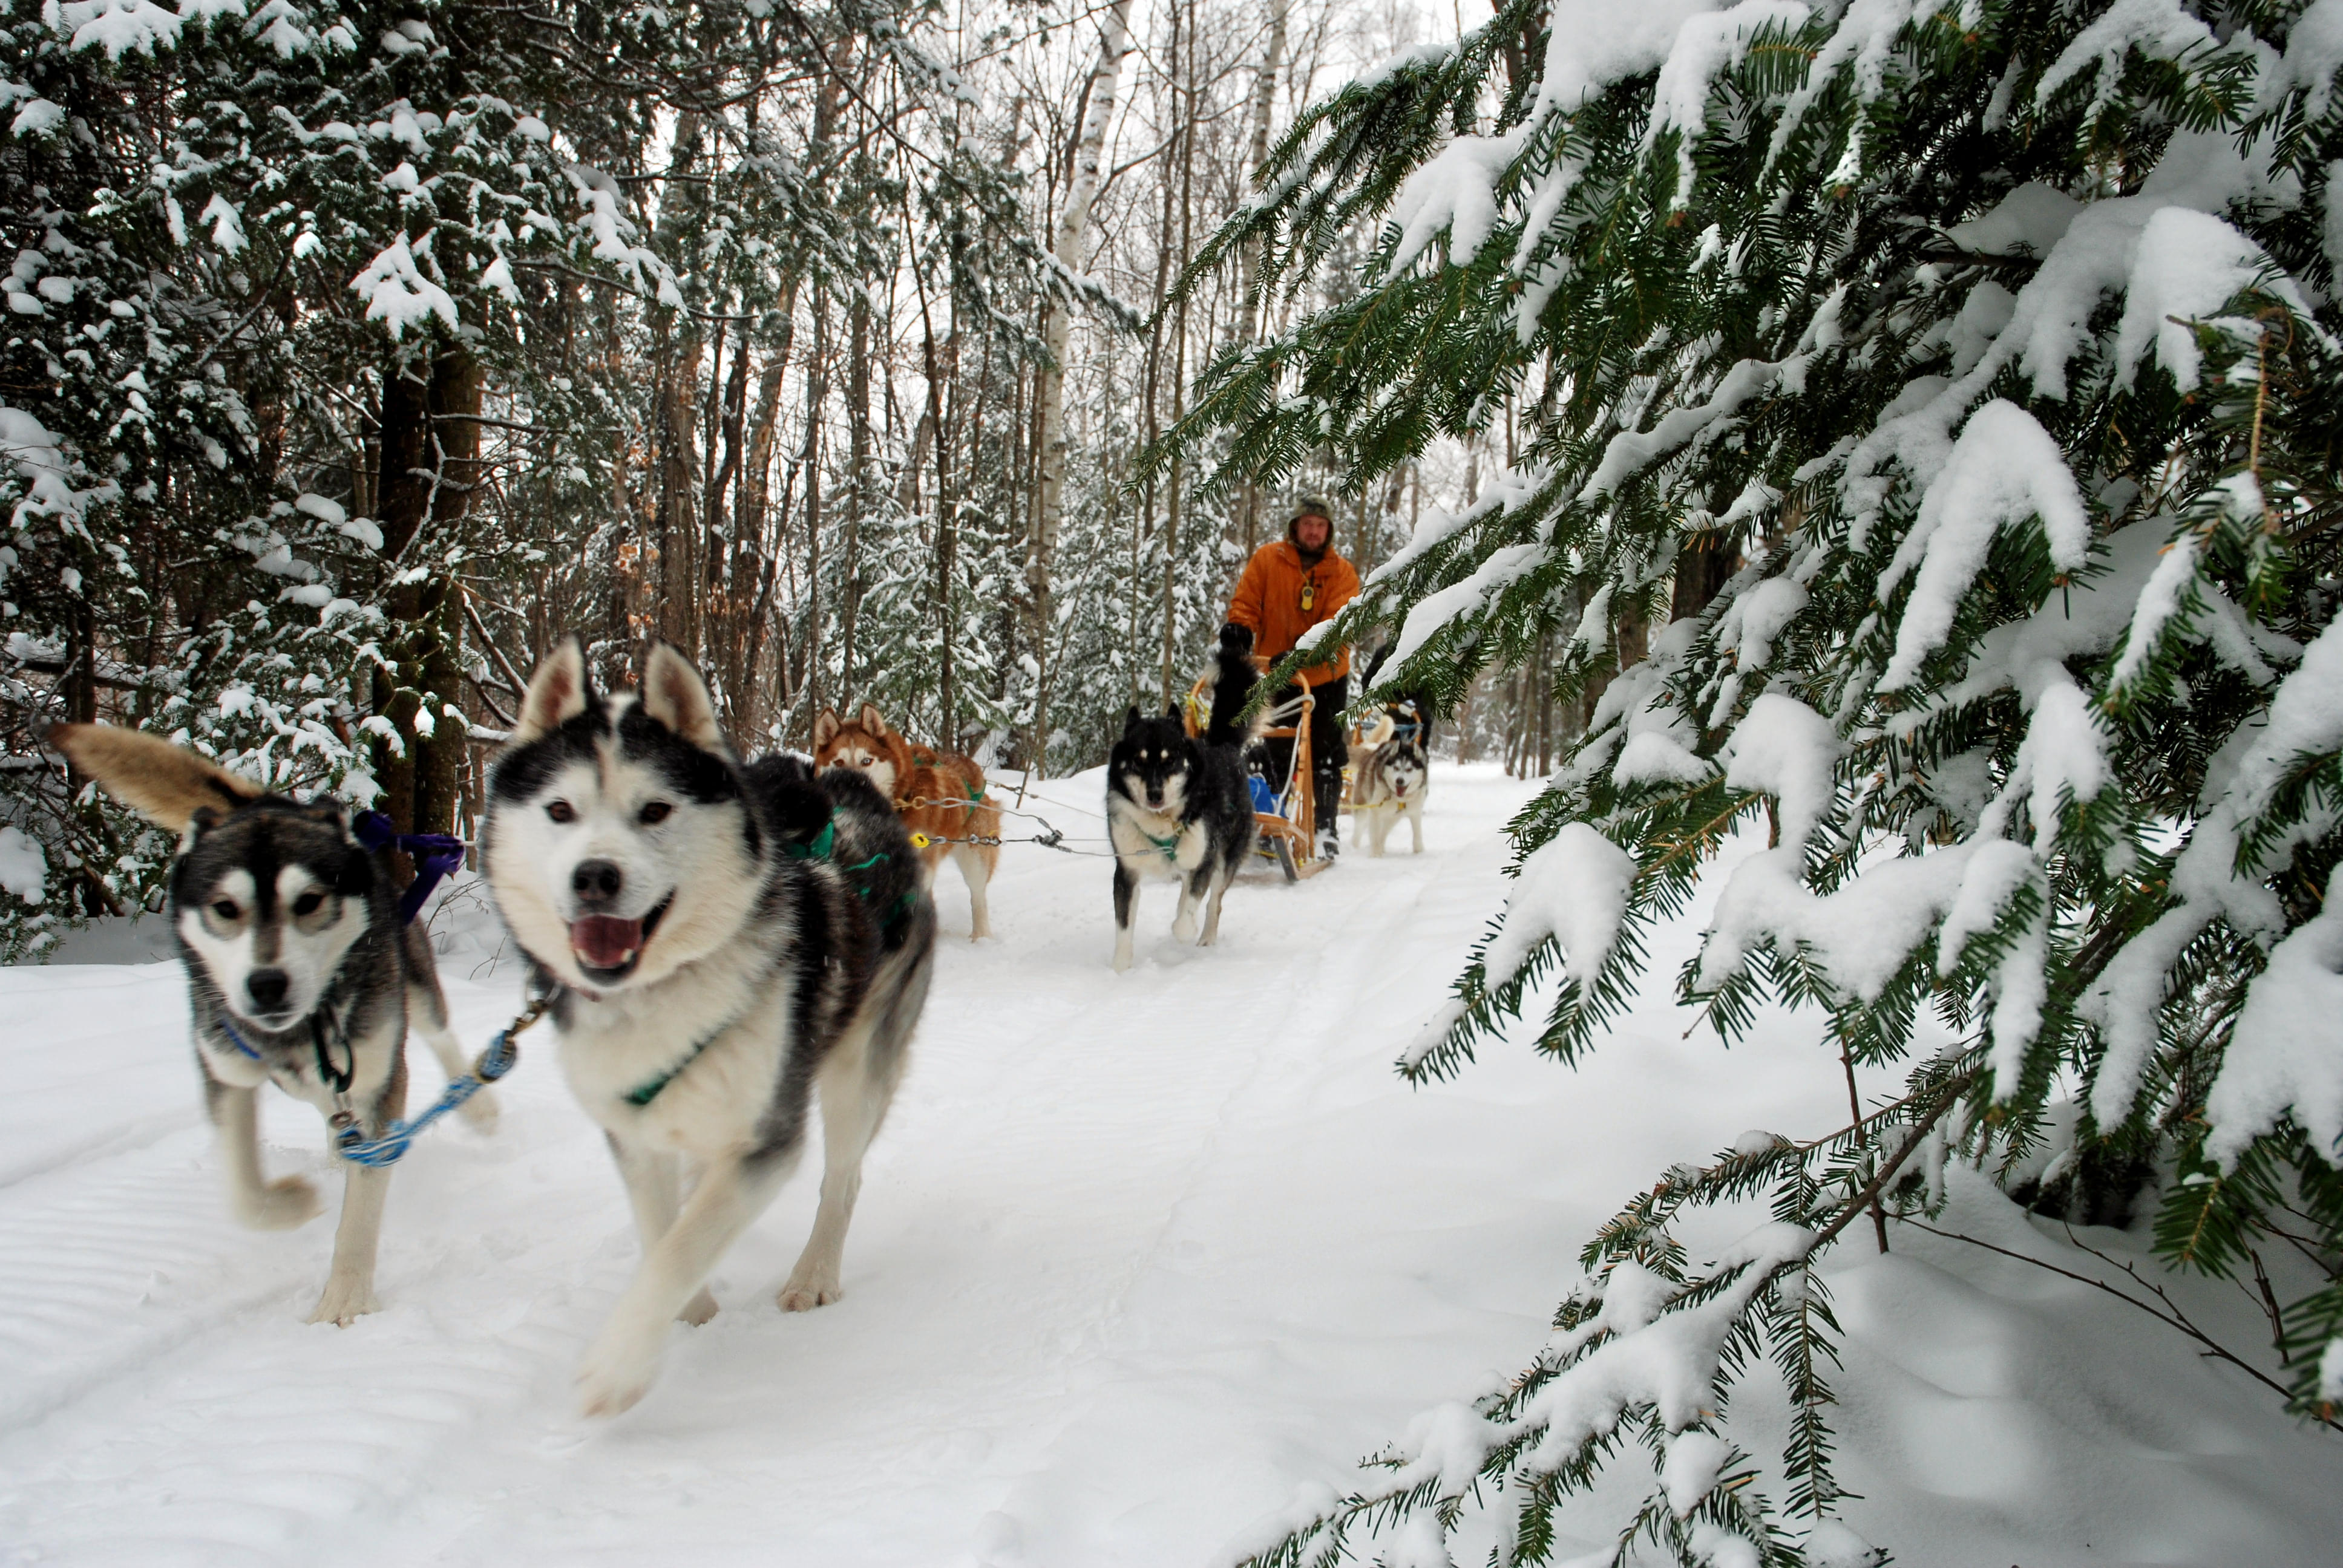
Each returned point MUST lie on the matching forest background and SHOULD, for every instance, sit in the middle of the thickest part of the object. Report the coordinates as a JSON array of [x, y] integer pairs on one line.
[[355, 352]]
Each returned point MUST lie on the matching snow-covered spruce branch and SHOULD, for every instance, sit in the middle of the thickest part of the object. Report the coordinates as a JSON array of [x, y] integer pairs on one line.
[[1648, 1348]]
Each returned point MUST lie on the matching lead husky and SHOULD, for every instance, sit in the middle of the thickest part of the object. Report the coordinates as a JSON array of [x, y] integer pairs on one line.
[[1180, 807], [298, 974], [721, 941]]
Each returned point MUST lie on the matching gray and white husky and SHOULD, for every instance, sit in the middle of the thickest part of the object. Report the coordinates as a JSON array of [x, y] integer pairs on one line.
[[721, 941], [1179, 807], [1389, 783], [298, 971]]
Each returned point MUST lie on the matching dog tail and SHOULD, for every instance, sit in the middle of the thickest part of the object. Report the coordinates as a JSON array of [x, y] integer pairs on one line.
[[1232, 683]]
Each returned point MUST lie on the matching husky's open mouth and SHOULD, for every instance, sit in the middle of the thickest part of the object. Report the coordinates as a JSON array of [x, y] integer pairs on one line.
[[608, 948]]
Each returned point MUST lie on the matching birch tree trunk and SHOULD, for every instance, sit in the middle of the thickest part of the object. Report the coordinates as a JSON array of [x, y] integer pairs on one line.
[[1264, 106], [1073, 224], [1173, 503]]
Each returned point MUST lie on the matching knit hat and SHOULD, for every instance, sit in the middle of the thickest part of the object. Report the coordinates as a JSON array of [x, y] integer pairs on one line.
[[1310, 507]]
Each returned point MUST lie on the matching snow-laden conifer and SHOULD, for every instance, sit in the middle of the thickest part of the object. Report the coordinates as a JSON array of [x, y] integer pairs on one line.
[[1927, 458], [271, 272]]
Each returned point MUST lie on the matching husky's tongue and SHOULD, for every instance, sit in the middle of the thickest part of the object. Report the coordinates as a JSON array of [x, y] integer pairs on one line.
[[603, 941]]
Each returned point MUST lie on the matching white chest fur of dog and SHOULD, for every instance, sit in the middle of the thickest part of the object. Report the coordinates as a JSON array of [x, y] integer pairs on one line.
[[1155, 844], [722, 1019]]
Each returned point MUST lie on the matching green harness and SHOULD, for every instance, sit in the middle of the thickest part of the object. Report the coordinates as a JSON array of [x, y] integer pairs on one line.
[[1168, 847], [644, 1093], [817, 848]]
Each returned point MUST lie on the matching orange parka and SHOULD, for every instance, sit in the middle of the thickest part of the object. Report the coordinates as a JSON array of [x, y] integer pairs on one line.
[[1279, 598]]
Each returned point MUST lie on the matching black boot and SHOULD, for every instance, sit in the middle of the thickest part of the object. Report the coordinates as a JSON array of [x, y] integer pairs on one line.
[[1330, 815]]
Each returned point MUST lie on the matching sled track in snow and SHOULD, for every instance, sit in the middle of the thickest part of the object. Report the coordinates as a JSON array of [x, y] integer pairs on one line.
[[1135, 1256]]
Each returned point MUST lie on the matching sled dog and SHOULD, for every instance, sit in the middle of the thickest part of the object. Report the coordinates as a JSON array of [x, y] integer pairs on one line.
[[1179, 807], [1388, 784], [720, 942], [299, 974], [939, 794]]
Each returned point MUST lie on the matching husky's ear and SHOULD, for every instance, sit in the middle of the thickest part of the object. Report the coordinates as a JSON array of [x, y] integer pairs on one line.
[[674, 694], [870, 718], [1129, 719], [556, 692], [1170, 710], [825, 728], [164, 783]]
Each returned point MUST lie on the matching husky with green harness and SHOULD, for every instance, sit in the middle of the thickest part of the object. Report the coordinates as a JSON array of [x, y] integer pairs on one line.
[[723, 943], [1178, 807]]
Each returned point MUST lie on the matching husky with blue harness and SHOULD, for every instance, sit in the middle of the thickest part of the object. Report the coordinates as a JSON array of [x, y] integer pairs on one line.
[[301, 972]]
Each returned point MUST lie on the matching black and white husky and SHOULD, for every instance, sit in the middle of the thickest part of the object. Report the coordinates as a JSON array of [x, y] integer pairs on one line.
[[722, 941], [299, 973], [1179, 807]]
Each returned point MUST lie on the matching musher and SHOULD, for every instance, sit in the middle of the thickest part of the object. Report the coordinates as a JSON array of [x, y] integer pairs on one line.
[[1289, 586]]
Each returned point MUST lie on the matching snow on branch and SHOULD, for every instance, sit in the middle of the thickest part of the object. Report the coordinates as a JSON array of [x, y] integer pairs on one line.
[[1573, 889], [610, 234], [2282, 1059], [398, 295], [2005, 468], [1706, 47], [46, 474]]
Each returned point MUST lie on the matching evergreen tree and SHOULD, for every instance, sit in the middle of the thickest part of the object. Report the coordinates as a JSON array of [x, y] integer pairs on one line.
[[1928, 464], [227, 225], [324, 333]]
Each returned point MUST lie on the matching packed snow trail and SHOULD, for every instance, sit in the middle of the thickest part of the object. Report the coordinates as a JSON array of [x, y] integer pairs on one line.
[[1136, 1256]]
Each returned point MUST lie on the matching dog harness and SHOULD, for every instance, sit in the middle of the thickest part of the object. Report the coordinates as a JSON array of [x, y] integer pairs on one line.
[[334, 1078], [499, 1058], [643, 1093], [818, 847], [1168, 847], [435, 855]]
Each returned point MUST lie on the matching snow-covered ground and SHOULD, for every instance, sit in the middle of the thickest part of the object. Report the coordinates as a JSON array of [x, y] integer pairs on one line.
[[1136, 1257]]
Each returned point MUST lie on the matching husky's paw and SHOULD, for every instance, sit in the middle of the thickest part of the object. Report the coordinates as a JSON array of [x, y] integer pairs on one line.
[[697, 1310], [1183, 929], [1121, 957], [480, 1112], [615, 1376], [282, 1204], [344, 1303], [809, 1288]]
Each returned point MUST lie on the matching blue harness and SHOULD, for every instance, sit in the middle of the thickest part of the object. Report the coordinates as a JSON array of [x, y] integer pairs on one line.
[[435, 855]]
